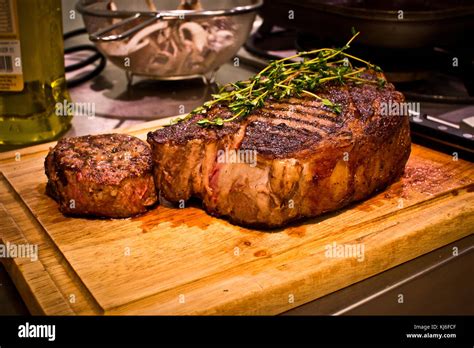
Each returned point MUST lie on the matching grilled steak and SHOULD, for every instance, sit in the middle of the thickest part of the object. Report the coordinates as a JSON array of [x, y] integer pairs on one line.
[[309, 159], [106, 175]]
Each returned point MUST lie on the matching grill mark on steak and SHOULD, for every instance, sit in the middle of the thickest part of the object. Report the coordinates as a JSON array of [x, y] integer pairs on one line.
[[313, 111], [303, 116], [291, 122], [278, 138]]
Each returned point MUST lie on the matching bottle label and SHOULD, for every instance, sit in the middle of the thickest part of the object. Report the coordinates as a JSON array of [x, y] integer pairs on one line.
[[11, 73]]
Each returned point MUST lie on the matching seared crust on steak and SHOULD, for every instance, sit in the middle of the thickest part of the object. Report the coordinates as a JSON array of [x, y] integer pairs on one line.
[[310, 160], [108, 175]]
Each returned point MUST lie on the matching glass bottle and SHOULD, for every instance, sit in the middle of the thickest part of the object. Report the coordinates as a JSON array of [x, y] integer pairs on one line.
[[32, 78]]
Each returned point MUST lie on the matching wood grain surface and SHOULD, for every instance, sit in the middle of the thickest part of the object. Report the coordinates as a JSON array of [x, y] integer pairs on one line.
[[182, 261]]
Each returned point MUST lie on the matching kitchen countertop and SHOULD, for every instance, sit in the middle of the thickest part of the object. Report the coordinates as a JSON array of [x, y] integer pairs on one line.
[[435, 283]]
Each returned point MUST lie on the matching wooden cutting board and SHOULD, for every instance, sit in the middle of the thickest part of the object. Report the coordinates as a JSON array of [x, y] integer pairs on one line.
[[182, 261]]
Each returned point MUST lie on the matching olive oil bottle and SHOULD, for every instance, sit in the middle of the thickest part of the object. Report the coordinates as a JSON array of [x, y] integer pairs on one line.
[[31, 72]]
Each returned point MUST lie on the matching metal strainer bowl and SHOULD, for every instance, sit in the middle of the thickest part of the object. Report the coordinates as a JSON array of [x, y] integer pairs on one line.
[[166, 39]]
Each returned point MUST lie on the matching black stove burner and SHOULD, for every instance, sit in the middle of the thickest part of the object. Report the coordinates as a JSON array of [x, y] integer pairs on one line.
[[265, 44]]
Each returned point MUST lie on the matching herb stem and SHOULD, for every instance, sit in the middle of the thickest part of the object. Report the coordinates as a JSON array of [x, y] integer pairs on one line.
[[285, 78]]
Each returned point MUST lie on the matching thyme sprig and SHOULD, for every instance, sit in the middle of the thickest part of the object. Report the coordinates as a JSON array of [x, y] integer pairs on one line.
[[286, 78]]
